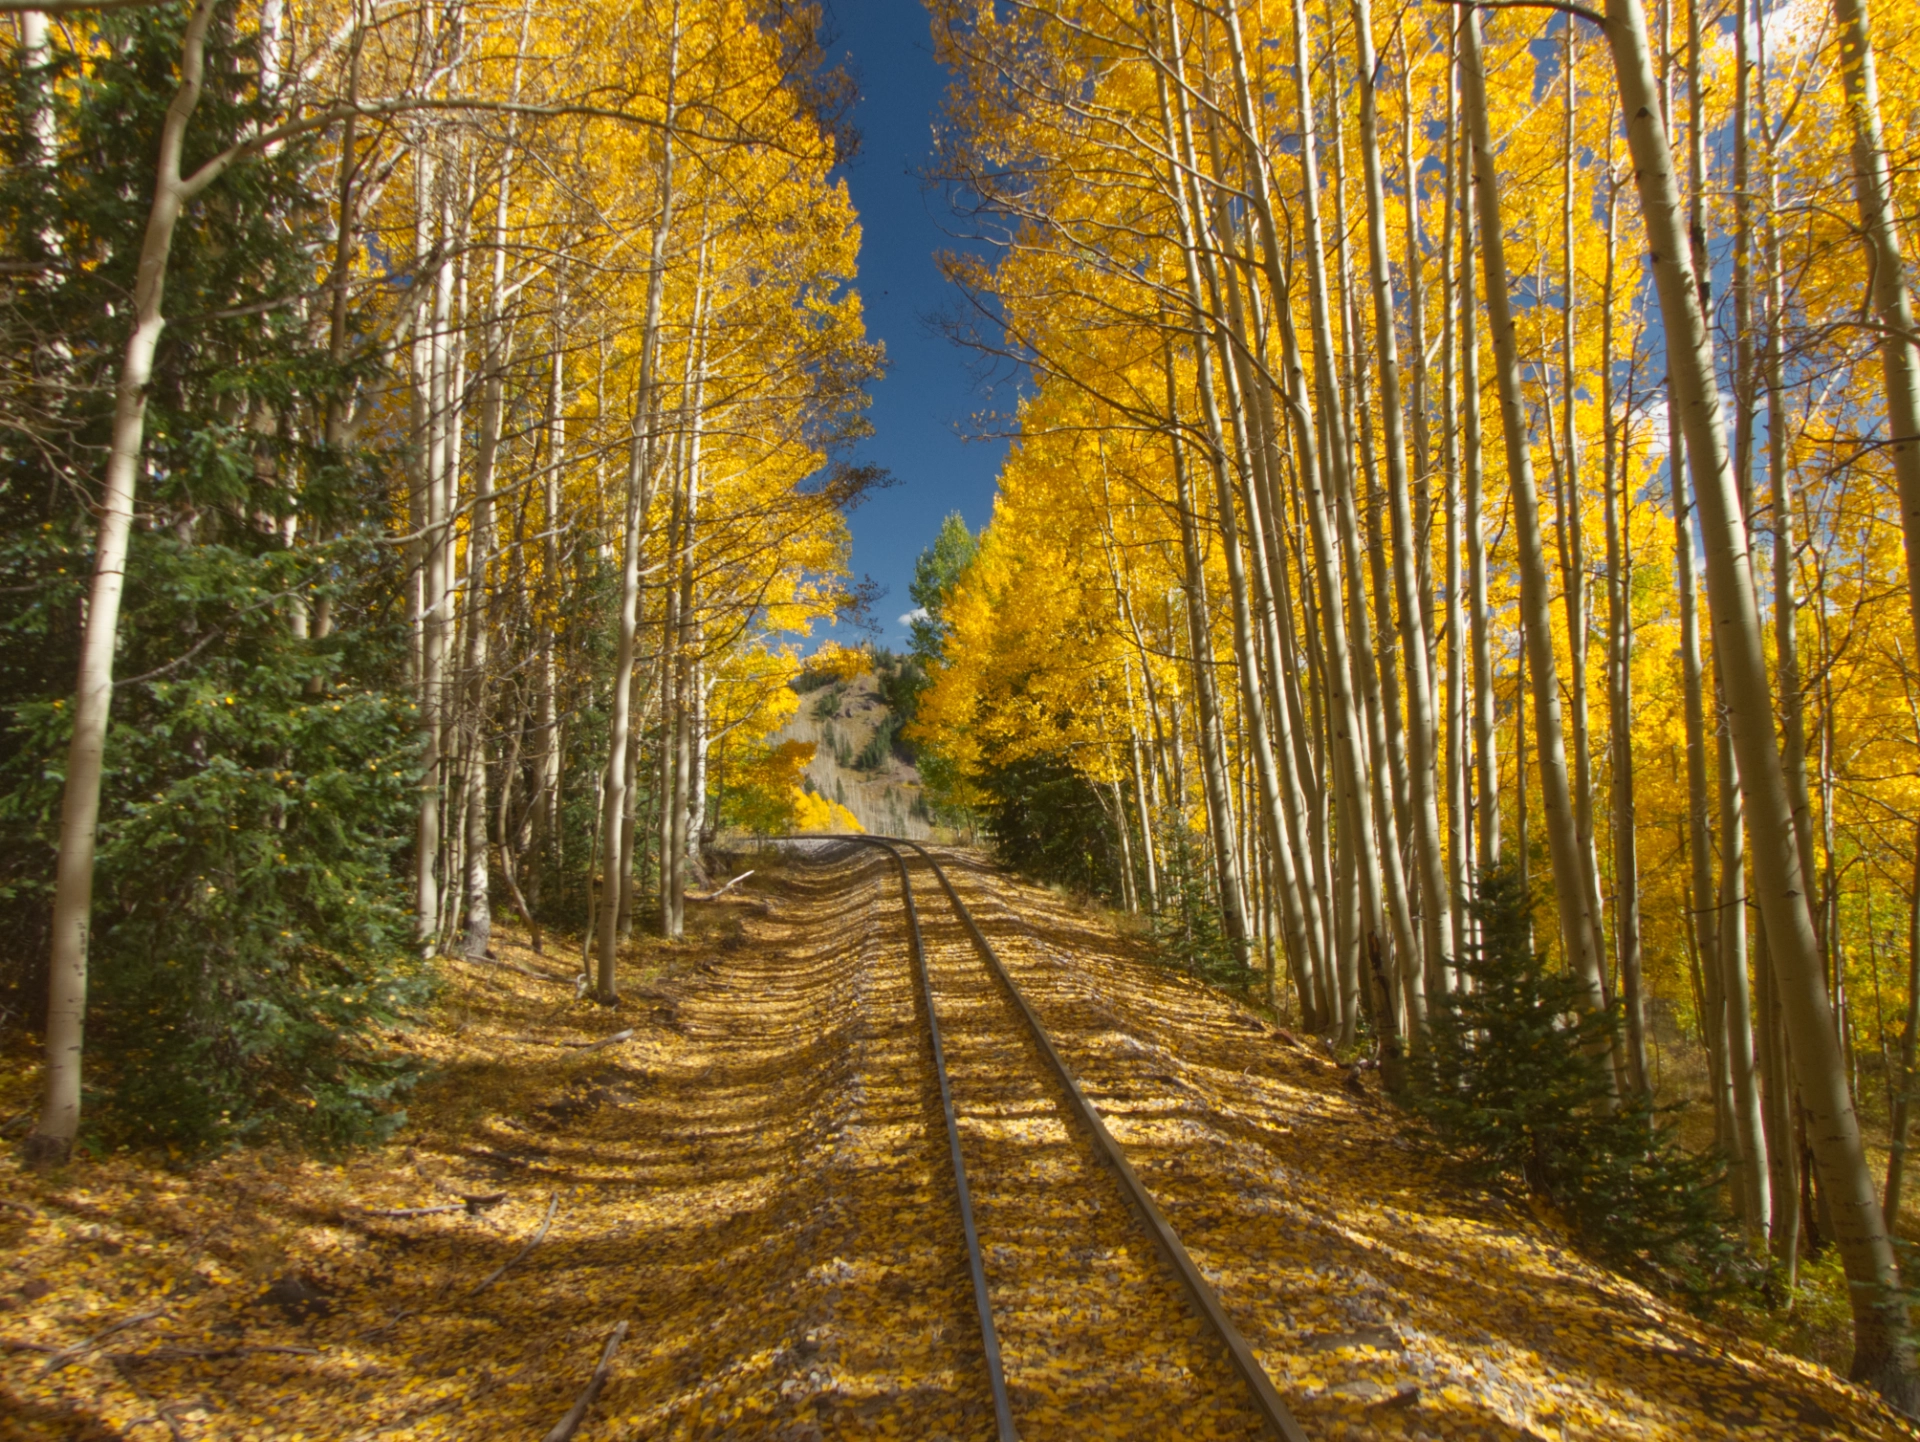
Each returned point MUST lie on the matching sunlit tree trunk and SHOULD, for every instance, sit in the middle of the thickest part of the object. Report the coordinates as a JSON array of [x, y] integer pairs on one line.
[[1419, 403], [1882, 1355], [1423, 807], [615, 846], [1571, 530], [1486, 745], [1615, 465], [1210, 338], [1572, 878], [1459, 791]]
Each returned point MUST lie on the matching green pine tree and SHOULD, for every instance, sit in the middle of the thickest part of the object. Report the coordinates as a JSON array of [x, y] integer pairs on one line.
[[248, 933], [1514, 1083]]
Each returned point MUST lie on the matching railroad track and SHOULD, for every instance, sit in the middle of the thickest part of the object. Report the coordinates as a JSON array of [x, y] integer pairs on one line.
[[1009, 1068]]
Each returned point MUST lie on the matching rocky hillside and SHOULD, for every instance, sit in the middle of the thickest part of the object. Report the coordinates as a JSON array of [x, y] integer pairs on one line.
[[858, 762]]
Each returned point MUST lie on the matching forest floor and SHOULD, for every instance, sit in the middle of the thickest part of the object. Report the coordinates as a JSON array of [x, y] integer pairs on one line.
[[755, 1183]]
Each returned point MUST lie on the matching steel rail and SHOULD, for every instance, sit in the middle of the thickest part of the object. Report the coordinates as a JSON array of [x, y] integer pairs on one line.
[[1272, 1409], [989, 1337]]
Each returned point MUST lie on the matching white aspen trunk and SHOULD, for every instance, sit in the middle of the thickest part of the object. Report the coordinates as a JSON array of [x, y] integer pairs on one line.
[[1353, 813], [51, 1142], [1300, 899], [1142, 807], [1213, 339], [1339, 981], [434, 584], [1882, 1356], [547, 803], [1375, 653], [1418, 403], [1572, 878], [1747, 1156], [1212, 738], [1342, 716], [480, 547], [1459, 796], [1486, 735], [1783, 1151], [670, 702], [673, 862], [615, 835], [1423, 807], [1755, 1204], [1615, 464], [687, 718], [1793, 729], [1572, 527], [1783, 1155]]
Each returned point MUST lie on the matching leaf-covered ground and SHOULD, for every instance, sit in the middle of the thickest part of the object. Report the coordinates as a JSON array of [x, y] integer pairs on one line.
[[757, 1183]]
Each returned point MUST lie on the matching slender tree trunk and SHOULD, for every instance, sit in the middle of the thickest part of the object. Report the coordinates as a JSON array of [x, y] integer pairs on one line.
[[640, 457], [1419, 383], [1572, 877], [1211, 740], [1486, 745], [1617, 500], [1342, 719], [1422, 761], [1571, 531], [1882, 1355], [1459, 792], [1210, 335], [1900, 1125], [1892, 299], [53, 1136]]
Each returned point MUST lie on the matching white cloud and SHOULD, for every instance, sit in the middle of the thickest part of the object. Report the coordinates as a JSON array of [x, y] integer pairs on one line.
[[1650, 427], [918, 613]]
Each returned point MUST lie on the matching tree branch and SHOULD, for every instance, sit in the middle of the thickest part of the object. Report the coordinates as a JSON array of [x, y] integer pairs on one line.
[[1563, 6]]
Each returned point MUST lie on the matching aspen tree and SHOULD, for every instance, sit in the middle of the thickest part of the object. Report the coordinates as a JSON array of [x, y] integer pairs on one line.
[[1881, 1352], [615, 839], [1423, 764], [53, 1135], [1573, 884], [1209, 333], [1486, 759], [1617, 502], [1459, 769], [1887, 274], [1570, 533]]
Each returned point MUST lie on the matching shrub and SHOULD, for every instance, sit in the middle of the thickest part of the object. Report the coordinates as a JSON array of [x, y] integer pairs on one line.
[[1187, 930]]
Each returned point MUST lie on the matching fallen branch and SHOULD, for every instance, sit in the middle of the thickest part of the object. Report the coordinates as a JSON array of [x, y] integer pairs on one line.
[[569, 1424], [70, 1355], [174, 1354], [716, 895], [15, 1344], [388, 1326], [472, 1206], [614, 1040], [410, 1211], [538, 1237]]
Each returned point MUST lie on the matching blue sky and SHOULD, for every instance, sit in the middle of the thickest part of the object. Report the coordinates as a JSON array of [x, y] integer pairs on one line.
[[924, 406]]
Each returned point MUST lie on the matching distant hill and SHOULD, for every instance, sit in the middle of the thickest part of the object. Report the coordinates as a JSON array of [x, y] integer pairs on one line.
[[856, 761]]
